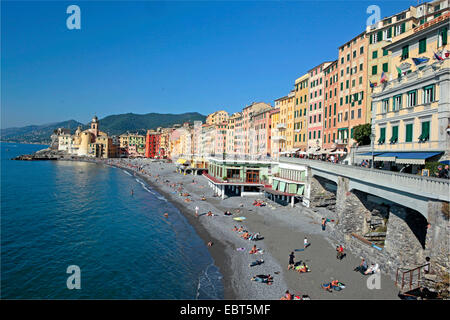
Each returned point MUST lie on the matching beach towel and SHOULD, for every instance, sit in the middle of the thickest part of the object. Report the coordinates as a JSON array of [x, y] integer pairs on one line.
[[299, 250], [240, 249]]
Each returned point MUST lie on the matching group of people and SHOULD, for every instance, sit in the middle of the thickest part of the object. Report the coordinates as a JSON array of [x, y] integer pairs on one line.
[[363, 268], [246, 235], [442, 172]]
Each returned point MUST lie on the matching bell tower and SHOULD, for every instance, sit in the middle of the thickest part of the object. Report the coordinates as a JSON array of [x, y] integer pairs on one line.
[[94, 126]]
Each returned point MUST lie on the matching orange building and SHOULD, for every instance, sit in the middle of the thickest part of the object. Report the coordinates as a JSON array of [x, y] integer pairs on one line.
[[352, 107]]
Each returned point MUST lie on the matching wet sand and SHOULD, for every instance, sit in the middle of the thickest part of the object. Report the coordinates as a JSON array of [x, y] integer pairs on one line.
[[283, 229]]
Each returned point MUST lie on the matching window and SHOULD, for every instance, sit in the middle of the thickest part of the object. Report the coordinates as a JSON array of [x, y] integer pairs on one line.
[[385, 52], [354, 54], [409, 132], [385, 106], [353, 114], [385, 67], [425, 135], [394, 137], [411, 99], [374, 70], [405, 53], [360, 67], [359, 113], [422, 45], [346, 84], [428, 94], [361, 50], [375, 54], [360, 80], [442, 36], [382, 135], [397, 102]]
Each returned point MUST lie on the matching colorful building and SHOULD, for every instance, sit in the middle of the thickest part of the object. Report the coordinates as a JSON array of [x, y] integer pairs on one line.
[[411, 112], [352, 107], [331, 100], [301, 114], [316, 103], [153, 145], [217, 117], [276, 140], [286, 126]]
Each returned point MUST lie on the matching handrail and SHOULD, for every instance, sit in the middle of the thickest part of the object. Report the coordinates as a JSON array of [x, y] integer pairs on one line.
[[411, 274]]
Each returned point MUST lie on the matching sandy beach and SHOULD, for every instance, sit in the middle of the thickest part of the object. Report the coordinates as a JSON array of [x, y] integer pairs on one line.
[[283, 229]]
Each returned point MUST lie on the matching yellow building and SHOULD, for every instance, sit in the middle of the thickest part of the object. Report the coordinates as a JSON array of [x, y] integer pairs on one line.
[[286, 125], [217, 117], [277, 143], [300, 113], [411, 112]]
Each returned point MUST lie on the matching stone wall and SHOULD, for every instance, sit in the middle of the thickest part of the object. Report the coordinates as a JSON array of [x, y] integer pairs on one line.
[[404, 237], [321, 194], [437, 245]]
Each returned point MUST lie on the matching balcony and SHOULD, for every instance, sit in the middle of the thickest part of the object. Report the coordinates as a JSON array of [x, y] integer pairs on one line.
[[279, 138], [281, 126]]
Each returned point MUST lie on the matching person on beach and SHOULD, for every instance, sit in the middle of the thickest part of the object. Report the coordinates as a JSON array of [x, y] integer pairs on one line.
[[132, 192], [291, 264], [340, 252], [196, 211], [209, 214], [240, 229], [305, 243], [210, 244], [324, 222], [287, 296], [235, 229], [245, 235], [254, 250], [426, 269], [263, 278], [302, 268], [256, 263], [362, 266]]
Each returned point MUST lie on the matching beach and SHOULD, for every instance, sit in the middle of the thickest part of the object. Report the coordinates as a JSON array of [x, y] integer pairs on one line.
[[283, 230]]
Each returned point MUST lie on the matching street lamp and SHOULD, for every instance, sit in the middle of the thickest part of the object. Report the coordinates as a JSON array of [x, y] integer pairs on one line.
[[372, 139]]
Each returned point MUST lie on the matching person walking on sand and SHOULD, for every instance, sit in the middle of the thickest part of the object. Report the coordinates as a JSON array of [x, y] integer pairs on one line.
[[291, 263], [196, 211], [324, 222], [305, 243]]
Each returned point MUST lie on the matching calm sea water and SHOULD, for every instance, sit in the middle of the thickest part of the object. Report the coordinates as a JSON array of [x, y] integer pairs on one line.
[[55, 214]]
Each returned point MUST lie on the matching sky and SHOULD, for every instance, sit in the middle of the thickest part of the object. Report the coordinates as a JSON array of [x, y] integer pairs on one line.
[[165, 57]]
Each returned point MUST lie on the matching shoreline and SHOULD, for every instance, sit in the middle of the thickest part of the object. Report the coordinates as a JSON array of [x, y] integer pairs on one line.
[[219, 255], [283, 229]]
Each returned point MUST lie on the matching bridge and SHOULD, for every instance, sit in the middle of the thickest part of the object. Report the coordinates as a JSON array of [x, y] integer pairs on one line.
[[412, 210], [409, 190]]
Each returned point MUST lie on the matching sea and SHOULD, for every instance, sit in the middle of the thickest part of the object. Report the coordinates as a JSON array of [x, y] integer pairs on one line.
[[59, 214]]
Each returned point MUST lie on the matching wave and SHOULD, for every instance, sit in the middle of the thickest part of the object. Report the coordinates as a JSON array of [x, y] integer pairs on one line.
[[127, 172], [209, 283]]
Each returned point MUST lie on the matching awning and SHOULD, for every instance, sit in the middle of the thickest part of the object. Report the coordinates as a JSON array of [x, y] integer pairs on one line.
[[282, 186], [300, 190], [406, 157], [387, 156], [367, 155], [292, 188], [415, 157], [275, 184]]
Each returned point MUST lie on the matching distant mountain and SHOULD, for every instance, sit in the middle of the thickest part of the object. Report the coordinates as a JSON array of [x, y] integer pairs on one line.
[[121, 123], [34, 133], [113, 125]]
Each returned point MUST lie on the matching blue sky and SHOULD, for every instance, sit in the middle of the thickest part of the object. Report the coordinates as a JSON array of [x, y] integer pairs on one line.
[[167, 57]]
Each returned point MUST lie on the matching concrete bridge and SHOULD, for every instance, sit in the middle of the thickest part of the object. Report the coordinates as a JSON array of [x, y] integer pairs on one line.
[[412, 210], [409, 190]]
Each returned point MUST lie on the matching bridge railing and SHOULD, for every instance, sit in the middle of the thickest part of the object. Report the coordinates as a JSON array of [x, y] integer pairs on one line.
[[434, 188]]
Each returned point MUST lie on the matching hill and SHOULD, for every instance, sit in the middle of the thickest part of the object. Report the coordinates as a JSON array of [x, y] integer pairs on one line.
[[113, 125], [35, 133]]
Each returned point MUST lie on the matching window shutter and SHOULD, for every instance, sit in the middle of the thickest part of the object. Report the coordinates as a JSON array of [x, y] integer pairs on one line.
[[389, 32], [402, 28]]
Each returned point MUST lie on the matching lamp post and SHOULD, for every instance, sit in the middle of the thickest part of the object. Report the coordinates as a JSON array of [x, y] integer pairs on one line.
[[372, 139]]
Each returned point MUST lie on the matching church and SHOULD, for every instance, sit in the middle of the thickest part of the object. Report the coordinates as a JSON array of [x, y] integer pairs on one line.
[[89, 143]]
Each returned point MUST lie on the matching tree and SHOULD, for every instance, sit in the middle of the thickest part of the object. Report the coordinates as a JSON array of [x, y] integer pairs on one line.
[[362, 133]]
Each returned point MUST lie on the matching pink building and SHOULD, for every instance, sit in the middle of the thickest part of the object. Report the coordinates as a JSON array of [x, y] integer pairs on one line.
[[260, 133], [316, 105]]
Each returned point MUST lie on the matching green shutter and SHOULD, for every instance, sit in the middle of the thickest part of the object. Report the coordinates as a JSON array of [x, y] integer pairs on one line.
[[292, 188], [379, 35], [385, 67], [402, 30], [394, 137], [422, 45], [444, 36], [389, 33], [371, 38], [382, 135], [409, 132], [300, 189]]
